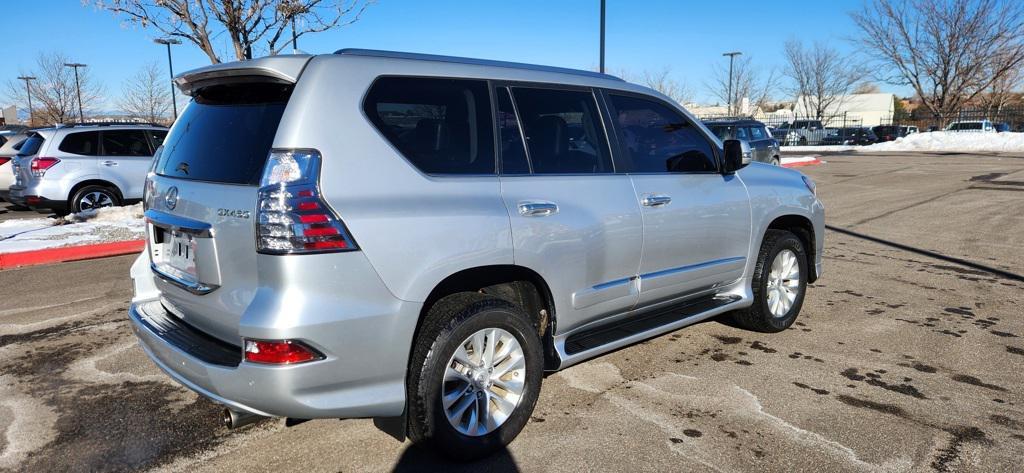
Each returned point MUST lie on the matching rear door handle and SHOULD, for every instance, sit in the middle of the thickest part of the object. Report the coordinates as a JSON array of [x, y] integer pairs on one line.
[[537, 208], [109, 163], [655, 200]]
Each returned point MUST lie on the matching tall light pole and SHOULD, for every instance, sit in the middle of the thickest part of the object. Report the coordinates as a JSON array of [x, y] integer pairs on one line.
[[732, 57], [170, 67], [78, 87], [28, 92], [602, 36]]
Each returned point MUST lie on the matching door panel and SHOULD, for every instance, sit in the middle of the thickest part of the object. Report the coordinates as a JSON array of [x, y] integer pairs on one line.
[[125, 161], [696, 220], [697, 240], [588, 250]]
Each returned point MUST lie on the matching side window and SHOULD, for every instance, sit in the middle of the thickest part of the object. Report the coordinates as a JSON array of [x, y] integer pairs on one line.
[[442, 126], [563, 131], [656, 138], [157, 137], [84, 143], [125, 143], [741, 133], [757, 133], [513, 151]]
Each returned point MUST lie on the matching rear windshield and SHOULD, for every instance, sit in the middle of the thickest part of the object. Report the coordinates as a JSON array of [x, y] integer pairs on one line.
[[225, 134], [31, 145]]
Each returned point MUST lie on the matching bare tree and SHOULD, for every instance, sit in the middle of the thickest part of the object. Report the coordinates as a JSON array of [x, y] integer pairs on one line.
[[54, 94], [748, 81], [145, 96], [821, 77], [949, 51], [1002, 91], [867, 87], [262, 24], [664, 83]]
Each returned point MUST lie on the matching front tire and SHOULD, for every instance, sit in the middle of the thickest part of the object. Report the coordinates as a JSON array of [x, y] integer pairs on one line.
[[779, 284], [474, 375]]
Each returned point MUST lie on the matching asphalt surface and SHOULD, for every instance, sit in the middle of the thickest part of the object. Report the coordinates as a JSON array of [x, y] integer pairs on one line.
[[899, 362]]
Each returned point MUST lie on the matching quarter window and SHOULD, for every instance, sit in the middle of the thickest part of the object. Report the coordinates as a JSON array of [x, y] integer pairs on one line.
[[85, 143], [563, 131], [756, 133], [656, 138], [442, 126]]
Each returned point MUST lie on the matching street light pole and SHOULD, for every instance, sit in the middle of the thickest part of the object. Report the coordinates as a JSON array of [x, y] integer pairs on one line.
[[28, 92], [602, 35], [78, 88], [732, 57], [170, 67]]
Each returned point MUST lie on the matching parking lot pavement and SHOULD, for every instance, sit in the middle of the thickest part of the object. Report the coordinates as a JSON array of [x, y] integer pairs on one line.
[[899, 361], [9, 212]]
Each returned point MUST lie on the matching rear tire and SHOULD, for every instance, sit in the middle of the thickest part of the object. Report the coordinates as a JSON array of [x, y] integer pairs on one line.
[[92, 198], [774, 282], [445, 362], [775, 161]]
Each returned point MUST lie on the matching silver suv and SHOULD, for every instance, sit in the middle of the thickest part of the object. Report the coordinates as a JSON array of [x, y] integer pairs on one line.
[[419, 239], [84, 167]]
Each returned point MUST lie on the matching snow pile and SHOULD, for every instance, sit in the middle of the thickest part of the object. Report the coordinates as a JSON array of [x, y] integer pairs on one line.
[[99, 226], [953, 141]]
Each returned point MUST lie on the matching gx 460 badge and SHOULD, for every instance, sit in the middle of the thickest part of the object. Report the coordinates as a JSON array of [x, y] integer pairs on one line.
[[233, 213]]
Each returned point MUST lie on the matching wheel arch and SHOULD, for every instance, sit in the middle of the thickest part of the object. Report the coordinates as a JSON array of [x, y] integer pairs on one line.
[[802, 227], [94, 182], [517, 284]]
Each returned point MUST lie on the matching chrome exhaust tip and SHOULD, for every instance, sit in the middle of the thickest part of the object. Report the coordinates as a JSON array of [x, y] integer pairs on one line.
[[233, 419]]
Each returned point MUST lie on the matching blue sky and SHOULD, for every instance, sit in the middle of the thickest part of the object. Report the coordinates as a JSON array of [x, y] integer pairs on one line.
[[687, 36]]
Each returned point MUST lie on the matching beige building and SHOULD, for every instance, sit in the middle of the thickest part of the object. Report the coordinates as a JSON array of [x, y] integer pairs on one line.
[[871, 109]]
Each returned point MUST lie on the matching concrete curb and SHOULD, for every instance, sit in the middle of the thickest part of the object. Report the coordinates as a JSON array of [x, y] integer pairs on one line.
[[69, 253], [816, 161]]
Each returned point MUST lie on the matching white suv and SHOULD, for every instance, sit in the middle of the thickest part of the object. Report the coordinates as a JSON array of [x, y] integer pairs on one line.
[[84, 167]]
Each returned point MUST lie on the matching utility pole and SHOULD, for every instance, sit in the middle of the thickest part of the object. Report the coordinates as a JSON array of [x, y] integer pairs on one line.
[[78, 87], [295, 38], [732, 57], [602, 35], [170, 67], [28, 92]]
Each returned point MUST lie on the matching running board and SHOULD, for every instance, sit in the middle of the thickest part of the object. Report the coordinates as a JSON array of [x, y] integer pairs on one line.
[[632, 329]]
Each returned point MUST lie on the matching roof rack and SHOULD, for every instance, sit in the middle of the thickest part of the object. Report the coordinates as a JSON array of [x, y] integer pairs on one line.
[[473, 61], [73, 125]]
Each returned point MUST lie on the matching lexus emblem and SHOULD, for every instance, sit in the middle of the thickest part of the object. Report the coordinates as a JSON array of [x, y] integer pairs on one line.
[[171, 198]]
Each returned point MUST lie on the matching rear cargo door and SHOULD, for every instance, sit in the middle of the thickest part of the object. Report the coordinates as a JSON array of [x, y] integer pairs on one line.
[[202, 198]]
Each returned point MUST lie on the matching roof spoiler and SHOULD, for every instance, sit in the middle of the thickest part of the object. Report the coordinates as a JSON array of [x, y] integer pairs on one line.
[[284, 69]]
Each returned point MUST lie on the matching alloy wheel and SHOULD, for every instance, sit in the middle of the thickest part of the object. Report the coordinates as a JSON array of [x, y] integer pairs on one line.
[[483, 382], [783, 283], [95, 200]]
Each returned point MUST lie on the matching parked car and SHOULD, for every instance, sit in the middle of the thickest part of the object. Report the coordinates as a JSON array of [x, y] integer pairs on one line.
[[8, 150], [804, 132], [763, 146], [1001, 127], [851, 136], [84, 167], [366, 247], [984, 126]]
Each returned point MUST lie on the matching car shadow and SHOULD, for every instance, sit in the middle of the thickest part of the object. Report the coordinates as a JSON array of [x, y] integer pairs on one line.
[[419, 459]]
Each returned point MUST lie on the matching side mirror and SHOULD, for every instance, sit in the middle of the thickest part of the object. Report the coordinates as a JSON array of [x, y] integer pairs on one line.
[[737, 155]]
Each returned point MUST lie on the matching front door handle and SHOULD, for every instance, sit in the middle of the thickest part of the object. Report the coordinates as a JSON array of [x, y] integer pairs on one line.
[[655, 200], [537, 208], [109, 163]]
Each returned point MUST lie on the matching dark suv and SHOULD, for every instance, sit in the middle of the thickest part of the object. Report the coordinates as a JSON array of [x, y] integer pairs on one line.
[[763, 147], [857, 135]]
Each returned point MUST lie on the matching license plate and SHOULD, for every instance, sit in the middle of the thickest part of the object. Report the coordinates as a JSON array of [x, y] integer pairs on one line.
[[177, 255]]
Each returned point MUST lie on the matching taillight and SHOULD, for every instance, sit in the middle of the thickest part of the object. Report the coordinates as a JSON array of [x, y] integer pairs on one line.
[[148, 192], [291, 216], [4, 161], [38, 166], [279, 352]]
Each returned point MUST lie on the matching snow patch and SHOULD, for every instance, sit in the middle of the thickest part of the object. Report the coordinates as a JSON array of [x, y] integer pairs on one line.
[[953, 141], [97, 226]]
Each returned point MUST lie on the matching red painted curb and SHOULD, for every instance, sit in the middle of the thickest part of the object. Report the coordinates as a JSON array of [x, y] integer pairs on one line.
[[803, 163], [70, 253]]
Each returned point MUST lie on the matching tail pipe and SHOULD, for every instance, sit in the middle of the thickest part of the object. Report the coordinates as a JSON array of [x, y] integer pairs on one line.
[[234, 419]]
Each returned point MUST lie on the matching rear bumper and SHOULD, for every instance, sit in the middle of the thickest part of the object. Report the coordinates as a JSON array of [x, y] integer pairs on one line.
[[34, 198], [366, 346]]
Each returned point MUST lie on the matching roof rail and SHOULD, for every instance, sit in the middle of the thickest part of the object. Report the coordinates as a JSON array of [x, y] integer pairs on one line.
[[473, 61], [73, 125]]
